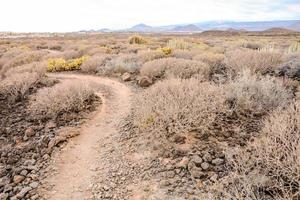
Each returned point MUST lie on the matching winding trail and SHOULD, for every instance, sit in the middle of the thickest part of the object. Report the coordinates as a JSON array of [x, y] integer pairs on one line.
[[76, 165]]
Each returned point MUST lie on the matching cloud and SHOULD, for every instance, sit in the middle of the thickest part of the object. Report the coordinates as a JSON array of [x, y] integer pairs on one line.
[[63, 15]]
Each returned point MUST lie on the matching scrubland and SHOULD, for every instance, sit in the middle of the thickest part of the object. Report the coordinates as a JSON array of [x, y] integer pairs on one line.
[[237, 96]]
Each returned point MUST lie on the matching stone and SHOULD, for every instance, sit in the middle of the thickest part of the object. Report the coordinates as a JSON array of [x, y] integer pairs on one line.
[[23, 192], [197, 173], [24, 172], [290, 69], [217, 161], [145, 81], [50, 125], [126, 76], [205, 166], [3, 196], [34, 185], [197, 159], [29, 132], [18, 179], [207, 157], [183, 163]]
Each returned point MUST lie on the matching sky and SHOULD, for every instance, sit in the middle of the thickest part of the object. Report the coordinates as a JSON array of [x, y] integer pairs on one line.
[[75, 15]]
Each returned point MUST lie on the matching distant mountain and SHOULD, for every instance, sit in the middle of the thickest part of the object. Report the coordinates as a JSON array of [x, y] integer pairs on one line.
[[276, 29], [141, 28], [186, 28], [218, 25], [249, 26]]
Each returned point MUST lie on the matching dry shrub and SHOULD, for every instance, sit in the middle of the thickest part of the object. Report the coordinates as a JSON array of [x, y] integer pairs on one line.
[[257, 61], [15, 87], [269, 168], [148, 55], [92, 64], [71, 54], [137, 39], [69, 96], [185, 54], [294, 47], [213, 59], [252, 45], [256, 94], [174, 67], [121, 64], [177, 106], [177, 44], [24, 58], [35, 67]]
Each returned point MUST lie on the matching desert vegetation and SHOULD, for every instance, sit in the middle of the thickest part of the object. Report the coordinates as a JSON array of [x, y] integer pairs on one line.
[[221, 110]]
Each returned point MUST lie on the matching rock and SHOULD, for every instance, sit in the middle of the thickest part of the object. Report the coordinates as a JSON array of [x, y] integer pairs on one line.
[[29, 132], [197, 159], [50, 125], [183, 163], [205, 166], [18, 179], [214, 178], [34, 185], [197, 173], [4, 181], [23, 192], [126, 76], [217, 161], [3, 196], [24, 172], [290, 69], [145, 81], [207, 157]]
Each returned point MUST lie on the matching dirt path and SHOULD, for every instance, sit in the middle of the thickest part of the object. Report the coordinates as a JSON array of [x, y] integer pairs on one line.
[[76, 165]]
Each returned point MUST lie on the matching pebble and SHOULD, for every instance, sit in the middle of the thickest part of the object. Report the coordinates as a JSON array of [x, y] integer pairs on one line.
[[217, 161], [205, 166]]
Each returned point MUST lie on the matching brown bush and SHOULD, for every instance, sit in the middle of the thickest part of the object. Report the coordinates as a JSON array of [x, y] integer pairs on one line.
[[256, 94], [121, 64], [256, 61], [213, 59], [177, 106], [16, 86], [92, 64], [35, 67], [24, 58], [66, 97], [173, 67], [269, 167], [146, 56], [185, 54]]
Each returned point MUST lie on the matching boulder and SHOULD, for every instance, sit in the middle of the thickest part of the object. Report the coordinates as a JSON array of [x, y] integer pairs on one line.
[[290, 69], [145, 81], [126, 76]]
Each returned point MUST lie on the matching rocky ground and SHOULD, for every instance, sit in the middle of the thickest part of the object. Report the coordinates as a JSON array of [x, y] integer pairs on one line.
[[26, 146]]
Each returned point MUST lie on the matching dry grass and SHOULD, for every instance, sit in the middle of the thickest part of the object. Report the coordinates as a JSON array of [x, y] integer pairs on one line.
[[121, 64], [256, 94], [15, 87], [256, 61], [177, 106], [177, 44], [92, 64], [69, 96], [19, 80], [269, 167], [174, 67]]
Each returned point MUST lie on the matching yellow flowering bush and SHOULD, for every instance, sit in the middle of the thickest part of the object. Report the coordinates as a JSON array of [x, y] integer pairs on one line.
[[60, 64], [165, 50]]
